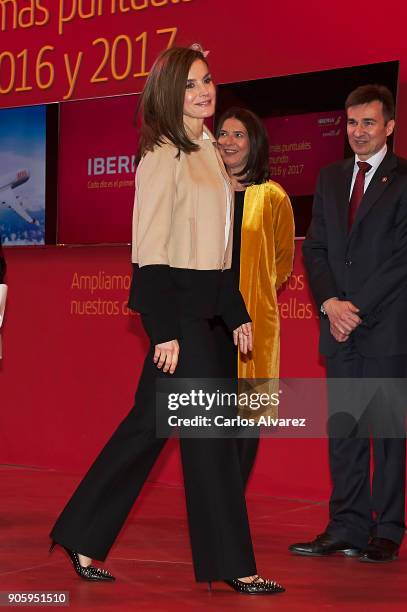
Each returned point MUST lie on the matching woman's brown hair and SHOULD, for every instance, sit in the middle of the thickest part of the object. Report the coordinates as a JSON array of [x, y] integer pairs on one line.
[[162, 101]]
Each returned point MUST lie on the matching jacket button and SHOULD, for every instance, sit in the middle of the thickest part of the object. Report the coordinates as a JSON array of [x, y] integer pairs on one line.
[[348, 262]]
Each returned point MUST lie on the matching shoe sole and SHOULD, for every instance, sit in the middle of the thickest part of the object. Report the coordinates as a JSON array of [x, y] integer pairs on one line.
[[261, 592], [366, 560], [348, 552]]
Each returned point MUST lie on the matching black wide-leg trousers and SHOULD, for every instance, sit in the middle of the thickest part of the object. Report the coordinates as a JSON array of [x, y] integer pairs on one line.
[[214, 488], [247, 448], [360, 508]]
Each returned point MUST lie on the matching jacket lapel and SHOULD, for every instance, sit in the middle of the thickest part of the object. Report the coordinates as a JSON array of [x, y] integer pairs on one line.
[[382, 178], [342, 193]]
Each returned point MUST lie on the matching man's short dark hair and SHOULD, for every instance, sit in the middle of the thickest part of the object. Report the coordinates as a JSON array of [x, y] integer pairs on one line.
[[370, 93]]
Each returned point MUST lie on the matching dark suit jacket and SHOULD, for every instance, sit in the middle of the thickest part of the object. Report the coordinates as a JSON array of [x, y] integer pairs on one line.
[[368, 266], [2, 265]]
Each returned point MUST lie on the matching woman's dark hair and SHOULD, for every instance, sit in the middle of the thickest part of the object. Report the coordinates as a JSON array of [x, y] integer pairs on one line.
[[162, 101], [257, 169], [372, 93]]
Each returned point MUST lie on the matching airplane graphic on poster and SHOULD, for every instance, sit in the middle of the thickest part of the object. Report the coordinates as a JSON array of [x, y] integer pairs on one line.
[[10, 198]]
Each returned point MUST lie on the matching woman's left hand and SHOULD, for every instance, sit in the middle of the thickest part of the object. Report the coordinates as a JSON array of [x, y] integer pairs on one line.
[[243, 337]]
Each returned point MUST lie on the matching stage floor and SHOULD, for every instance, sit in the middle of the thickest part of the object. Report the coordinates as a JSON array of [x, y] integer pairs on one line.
[[151, 559]]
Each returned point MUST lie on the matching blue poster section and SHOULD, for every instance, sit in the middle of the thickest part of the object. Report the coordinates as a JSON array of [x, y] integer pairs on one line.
[[22, 175]]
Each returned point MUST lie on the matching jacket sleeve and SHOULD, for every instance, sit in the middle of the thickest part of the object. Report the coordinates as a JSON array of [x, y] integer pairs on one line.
[[284, 233], [231, 306], [390, 279], [152, 291], [315, 252]]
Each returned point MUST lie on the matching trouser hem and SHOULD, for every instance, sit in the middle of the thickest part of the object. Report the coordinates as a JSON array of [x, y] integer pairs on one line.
[[80, 549], [231, 574], [395, 534], [351, 537]]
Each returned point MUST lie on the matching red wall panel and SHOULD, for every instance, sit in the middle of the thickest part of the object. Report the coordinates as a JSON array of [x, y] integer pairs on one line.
[[247, 40], [68, 378], [73, 356]]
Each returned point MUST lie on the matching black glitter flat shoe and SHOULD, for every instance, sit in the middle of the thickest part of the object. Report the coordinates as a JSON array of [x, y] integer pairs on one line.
[[95, 574], [256, 587]]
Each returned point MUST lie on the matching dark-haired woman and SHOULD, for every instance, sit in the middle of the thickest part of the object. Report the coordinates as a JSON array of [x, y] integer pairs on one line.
[[263, 250], [182, 248]]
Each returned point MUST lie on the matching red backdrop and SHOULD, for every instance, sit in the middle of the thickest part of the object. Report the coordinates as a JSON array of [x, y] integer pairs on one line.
[[247, 40], [72, 358], [301, 144], [66, 378], [96, 171], [97, 163]]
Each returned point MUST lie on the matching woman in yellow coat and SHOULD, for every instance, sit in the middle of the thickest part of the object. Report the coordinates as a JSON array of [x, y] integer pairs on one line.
[[263, 248]]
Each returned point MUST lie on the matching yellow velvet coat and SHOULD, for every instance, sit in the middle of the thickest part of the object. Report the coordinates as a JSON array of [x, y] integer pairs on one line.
[[266, 259]]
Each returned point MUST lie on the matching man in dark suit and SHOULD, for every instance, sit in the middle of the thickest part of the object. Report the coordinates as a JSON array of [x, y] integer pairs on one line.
[[356, 257]]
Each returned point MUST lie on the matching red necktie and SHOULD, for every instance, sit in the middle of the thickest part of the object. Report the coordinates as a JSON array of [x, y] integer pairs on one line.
[[357, 192]]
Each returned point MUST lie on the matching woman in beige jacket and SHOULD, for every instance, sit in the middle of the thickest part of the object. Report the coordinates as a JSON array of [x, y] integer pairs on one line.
[[182, 240]]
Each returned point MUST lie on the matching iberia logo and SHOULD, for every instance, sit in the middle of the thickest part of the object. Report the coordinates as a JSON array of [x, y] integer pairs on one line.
[[324, 121]]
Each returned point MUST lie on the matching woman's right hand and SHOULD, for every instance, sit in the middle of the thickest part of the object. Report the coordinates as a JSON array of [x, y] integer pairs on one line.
[[243, 338], [166, 356]]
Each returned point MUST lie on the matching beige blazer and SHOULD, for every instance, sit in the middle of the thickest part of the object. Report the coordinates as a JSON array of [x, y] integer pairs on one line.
[[180, 209]]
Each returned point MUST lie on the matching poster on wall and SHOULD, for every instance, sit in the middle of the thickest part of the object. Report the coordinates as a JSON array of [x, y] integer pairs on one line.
[[22, 175], [97, 163], [301, 144]]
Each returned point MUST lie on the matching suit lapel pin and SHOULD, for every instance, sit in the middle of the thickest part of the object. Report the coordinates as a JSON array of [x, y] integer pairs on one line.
[[384, 179]]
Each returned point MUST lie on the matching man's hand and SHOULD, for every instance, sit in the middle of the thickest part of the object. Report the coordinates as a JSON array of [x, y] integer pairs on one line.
[[342, 318], [243, 337], [166, 356], [338, 336]]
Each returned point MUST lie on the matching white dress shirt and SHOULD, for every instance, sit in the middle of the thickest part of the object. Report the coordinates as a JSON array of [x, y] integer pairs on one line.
[[229, 195], [374, 161]]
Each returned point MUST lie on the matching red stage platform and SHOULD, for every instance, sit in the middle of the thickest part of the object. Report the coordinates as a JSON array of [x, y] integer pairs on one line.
[[152, 563]]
